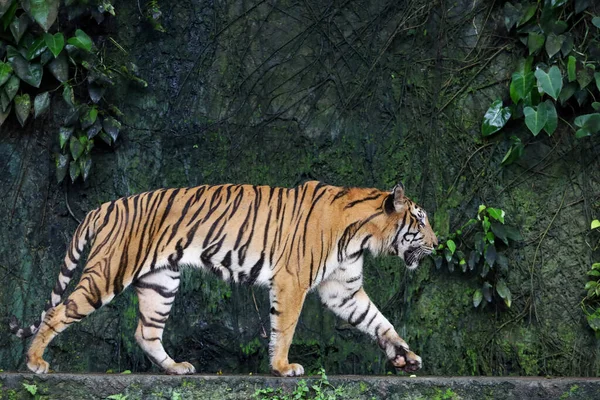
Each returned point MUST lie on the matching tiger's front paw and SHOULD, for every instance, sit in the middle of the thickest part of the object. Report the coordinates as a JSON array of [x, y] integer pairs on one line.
[[37, 365], [182, 368], [288, 370], [406, 360]]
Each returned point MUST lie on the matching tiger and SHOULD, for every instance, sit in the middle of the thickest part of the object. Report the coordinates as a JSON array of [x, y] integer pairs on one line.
[[313, 236]]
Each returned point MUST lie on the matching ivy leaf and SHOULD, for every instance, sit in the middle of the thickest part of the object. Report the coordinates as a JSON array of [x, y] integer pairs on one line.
[[513, 233], [55, 42], [62, 166], [596, 22], [107, 139], [96, 92], [473, 259], [81, 40], [535, 120], [490, 255], [4, 6], [41, 104], [479, 242], [18, 26], [112, 127], [567, 92], [36, 48], [554, 44], [527, 14], [584, 76], [514, 152], [597, 78], [4, 114], [511, 15], [5, 72], [496, 213], [487, 291], [11, 87], [64, 134], [552, 121], [8, 15], [59, 67], [30, 73], [521, 85], [22, 108], [68, 95], [85, 165], [74, 170], [44, 12], [535, 41], [596, 106], [551, 82], [451, 245], [477, 298], [76, 148], [567, 45], [89, 118], [595, 224], [502, 262], [571, 71], [504, 292], [557, 3], [495, 118], [588, 124], [94, 129]]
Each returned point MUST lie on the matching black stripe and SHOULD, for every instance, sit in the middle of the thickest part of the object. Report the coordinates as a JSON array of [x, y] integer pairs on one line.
[[355, 202]]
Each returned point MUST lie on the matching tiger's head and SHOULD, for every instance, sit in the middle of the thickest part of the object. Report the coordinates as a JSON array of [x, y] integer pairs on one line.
[[412, 237]]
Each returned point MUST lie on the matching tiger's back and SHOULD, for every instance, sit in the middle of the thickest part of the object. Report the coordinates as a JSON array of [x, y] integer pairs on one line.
[[288, 239]]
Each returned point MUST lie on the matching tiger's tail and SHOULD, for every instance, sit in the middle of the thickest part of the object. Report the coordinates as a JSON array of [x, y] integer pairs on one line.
[[84, 233]]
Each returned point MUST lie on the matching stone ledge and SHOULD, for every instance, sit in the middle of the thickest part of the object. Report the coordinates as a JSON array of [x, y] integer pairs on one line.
[[142, 386]]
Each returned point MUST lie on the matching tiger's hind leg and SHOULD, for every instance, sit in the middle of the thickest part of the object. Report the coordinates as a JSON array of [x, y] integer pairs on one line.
[[156, 293], [85, 299]]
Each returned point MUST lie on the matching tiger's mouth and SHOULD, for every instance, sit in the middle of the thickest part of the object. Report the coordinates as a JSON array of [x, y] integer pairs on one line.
[[414, 255]]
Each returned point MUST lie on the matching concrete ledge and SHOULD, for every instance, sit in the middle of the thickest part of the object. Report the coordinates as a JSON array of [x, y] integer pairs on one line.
[[140, 386]]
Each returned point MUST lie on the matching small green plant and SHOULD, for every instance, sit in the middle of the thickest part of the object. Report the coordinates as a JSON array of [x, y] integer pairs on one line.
[[477, 247], [118, 396], [32, 389], [251, 347], [591, 303], [319, 390], [558, 74]]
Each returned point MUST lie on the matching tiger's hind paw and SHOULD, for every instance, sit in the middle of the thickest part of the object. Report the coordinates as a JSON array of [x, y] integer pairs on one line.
[[38, 365], [182, 368]]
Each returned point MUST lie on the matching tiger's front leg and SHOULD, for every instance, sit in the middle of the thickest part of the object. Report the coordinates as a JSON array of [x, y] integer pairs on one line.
[[342, 292], [286, 303]]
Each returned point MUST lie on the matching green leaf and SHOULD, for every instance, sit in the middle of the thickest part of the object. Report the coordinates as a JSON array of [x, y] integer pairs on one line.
[[477, 298], [567, 92], [55, 42], [85, 165], [511, 15], [36, 48], [68, 95], [32, 389], [487, 291], [96, 92], [11, 87], [4, 114], [514, 152], [521, 85], [595, 224], [18, 26], [589, 124], [30, 73], [593, 272], [4, 6], [596, 266], [554, 44], [89, 118], [496, 213], [495, 118], [451, 245], [535, 120], [74, 170], [76, 148], [94, 129], [571, 69], [552, 121], [551, 82], [112, 127], [81, 40], [535, 41], [473, 259], [585, 76], [513, 233], [490, 237], [5, 72], [59, 67], [8, 16], [596, 106], [22, 108], [596, 22], [504, 292], [44, 12], [490, 255], [590, 285], [527, 14], [62, 166], [567, 45], [64, 134], [41, 104]]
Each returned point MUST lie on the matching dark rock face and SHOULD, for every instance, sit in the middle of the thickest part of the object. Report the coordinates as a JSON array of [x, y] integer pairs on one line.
[[352, 93]]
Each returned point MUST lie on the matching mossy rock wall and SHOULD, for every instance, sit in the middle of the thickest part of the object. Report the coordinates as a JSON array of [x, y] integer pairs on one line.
[[360, 93]]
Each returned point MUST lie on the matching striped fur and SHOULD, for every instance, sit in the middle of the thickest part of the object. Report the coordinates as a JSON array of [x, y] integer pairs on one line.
[[291, 240]]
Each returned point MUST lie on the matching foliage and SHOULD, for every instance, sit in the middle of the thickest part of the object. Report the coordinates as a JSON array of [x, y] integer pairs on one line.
[[319, 390], [153, 15], [562, 40], [591, 303], [118, 396], [39, 58], [477, 248], [32, 389]]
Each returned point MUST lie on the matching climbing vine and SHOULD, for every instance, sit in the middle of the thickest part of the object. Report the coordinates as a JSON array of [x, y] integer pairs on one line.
[[559, 76]]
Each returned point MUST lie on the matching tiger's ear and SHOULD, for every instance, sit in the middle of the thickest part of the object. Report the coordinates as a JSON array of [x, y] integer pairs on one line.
[[395, 201]]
